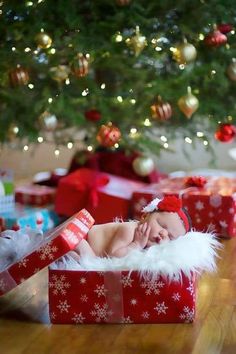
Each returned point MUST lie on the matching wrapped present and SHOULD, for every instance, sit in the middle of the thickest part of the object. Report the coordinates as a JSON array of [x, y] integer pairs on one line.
[[36, 195], [24, 216], [6, 190], [161, 288], [105, 196], [53, 245], [210, 201]]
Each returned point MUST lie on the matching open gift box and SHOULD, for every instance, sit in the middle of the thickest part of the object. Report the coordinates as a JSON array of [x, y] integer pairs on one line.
[[105, 196], [211, 206]]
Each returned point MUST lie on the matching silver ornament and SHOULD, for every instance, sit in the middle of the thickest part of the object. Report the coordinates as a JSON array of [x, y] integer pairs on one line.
[[143, 165]]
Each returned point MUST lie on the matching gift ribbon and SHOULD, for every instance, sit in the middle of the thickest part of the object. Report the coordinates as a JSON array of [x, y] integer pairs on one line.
[[114, 296]]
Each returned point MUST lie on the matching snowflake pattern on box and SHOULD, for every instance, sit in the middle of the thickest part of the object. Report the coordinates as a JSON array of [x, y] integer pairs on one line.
[[59, 285], [140, 300], [47, 251]]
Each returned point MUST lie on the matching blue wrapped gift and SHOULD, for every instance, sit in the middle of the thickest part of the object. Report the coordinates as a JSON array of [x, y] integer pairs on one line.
[[24, 216]]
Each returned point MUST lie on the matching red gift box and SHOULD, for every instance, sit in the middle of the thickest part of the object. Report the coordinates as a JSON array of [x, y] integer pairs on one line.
[[211, 206], [105, 196], [119, 297], [55, 244], [35, 195]]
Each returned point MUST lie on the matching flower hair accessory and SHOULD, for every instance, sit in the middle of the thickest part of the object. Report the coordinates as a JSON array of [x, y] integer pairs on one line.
[[169, 203]]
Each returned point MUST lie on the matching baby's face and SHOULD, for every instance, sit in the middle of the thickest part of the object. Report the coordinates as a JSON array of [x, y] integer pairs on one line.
[[164, 226]]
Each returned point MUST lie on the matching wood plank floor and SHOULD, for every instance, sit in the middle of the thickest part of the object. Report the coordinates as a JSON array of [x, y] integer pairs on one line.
[[25, 327]]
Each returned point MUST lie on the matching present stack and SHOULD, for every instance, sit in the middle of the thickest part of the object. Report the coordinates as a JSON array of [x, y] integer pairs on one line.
[[210, 201]]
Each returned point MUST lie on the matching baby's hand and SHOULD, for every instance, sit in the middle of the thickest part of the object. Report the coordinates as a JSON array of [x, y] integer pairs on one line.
[[141, 234]]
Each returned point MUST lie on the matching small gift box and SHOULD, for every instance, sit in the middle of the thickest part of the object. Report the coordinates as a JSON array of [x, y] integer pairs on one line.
[[157, 285], [53, 245], [36, 195], [6, 190], [105, 196], [24, 216], [210, 201]]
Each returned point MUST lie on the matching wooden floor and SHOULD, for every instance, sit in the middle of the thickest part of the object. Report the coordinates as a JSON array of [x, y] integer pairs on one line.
[[25, 327]]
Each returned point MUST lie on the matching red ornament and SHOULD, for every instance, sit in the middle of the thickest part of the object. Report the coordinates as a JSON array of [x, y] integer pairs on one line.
[[170, 203], [226, 133], [195, 181], [80, 65], [93, 115], [18, 77], [215, 39], [225, 28], [108, 135], [161, 110]]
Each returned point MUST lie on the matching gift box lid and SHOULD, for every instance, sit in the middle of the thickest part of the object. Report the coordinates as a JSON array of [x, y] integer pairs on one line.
[[34, 189], [54, 245]]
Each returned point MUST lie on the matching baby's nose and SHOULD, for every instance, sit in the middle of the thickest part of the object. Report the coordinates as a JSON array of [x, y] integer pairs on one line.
[[163, 233]]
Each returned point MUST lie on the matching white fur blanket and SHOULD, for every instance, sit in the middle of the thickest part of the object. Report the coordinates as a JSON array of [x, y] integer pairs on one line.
[[194, 252]]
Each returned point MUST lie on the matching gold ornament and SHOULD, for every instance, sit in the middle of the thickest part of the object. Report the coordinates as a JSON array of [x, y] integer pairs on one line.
[[80, 65], [43, 40], [188, 104], [12, 132], [137, 42], [60, 73], [108, 135], [143, 165], [185, 53], [161, 111], [48, 121], [231, 70]]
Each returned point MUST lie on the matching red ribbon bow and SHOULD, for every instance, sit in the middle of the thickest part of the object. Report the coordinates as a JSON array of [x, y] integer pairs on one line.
[[195, 181]]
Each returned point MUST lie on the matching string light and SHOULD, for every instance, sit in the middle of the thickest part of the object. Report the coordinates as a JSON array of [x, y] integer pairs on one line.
[[166, 145], [133, 131], [85, 92], [26, 148], [205, 142], [40, 139], [90, 148], [27, 49], [57, 152], [200, 134], [67, 82], [70, 145], [29, 3], [13, 49], [201, 36], [52, 51], [188, 140], [118, 37], [119, 99], [15, 130], [163, 138], [50, 100], [103, 86], [147, 122], [31, 86], [133, 101], [116, 145]]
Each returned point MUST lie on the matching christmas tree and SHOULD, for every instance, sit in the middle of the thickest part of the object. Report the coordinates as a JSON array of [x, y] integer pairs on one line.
[[133, 74]]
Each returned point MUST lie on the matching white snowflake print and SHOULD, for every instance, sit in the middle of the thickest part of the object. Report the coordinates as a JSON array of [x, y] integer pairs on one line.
[[83, 298], [145, 315], [198, 220], [176, 296], [133, 302], [101, 312], [152, 286], [187, 315], [223, 224], [191, 288], [47, 251], [53, 315], [215, 200], [100, 290], [142, 202], [126, 281], [161, 308], [23, 263], [82, 280], [199, 205], [126, 320], [63, 306], [78, 318], [211, 214], [59, 285], [2, 285]]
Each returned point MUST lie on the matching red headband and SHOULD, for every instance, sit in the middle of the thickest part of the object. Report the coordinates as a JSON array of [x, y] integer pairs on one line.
[[171, 203]]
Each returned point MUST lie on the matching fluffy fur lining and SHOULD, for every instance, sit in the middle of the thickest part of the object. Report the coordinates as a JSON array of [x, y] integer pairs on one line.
[[194, 252]]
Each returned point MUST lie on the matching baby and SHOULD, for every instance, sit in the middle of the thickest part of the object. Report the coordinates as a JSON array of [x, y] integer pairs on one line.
[[162, 220]]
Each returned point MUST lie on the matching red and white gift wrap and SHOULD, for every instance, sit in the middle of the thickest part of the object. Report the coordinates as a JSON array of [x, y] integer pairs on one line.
[[34, 194], [212, 207], [119, 297], [56, 243], [105, 196]]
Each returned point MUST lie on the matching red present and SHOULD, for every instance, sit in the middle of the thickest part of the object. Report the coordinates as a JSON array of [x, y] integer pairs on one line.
[[119, 297], [34, 195], [55, 244], [211, 206], [105, 196]]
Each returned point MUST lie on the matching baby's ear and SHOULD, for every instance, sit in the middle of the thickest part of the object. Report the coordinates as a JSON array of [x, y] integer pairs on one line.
[[143, 216]]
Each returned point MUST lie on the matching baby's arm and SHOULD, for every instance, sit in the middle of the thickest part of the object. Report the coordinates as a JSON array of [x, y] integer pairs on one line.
[[84, 249], [122, 242]]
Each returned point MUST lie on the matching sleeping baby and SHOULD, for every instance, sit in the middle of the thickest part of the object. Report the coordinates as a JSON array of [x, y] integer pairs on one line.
[[162, 220]]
